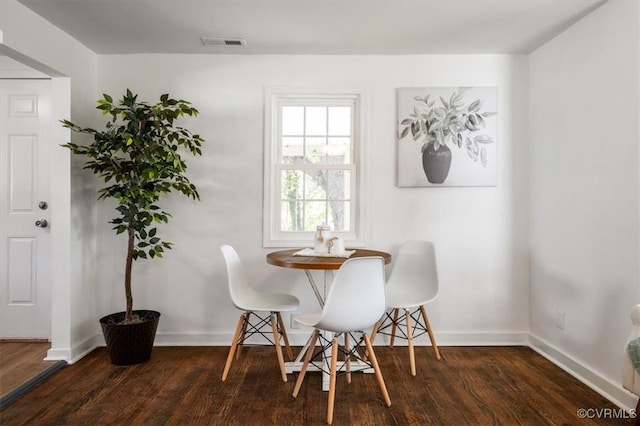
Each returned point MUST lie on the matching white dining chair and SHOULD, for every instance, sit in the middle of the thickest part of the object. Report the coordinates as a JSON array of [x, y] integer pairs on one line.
[[260, 310], [355, 301], [412, 283]]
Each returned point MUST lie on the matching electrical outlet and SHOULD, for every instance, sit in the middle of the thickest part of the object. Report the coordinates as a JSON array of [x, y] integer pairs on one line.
[[293, 323], [560, 319]]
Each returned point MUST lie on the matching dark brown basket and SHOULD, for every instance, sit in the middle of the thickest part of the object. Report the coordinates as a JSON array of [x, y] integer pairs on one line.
[[130, 344]]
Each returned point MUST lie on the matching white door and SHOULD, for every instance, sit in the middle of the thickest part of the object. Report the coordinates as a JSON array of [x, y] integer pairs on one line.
[[25, 265]]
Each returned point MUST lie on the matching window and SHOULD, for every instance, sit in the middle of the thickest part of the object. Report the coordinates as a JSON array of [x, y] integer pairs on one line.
[[313, 172]]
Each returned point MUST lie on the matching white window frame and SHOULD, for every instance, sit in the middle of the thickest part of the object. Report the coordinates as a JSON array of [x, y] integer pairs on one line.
[[274, 98]]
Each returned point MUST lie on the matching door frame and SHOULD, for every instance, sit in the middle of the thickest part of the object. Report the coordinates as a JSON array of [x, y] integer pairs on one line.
[[60, 181]]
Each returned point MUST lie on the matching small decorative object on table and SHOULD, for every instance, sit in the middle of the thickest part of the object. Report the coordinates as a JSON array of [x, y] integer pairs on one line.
[[336, 246], [322, 237]]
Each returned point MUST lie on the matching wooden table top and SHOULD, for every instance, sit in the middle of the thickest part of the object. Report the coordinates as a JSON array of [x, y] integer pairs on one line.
[[286, 259]]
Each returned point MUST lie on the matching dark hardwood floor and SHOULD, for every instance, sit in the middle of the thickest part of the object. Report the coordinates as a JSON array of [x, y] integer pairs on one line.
[[20, 361], [182, 386]]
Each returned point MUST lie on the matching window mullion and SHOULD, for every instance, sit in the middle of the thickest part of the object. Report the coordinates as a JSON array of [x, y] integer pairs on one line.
[[304, 160]]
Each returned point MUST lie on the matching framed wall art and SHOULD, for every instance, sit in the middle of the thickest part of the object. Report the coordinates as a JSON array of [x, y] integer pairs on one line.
[[447, 136]]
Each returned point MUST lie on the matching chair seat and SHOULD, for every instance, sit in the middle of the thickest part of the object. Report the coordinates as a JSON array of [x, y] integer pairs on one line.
[[309, 320], [267, 302], [401, 298]]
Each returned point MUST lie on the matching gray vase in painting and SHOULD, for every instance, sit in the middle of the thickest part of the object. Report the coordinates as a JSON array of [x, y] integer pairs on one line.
[[436, 163]]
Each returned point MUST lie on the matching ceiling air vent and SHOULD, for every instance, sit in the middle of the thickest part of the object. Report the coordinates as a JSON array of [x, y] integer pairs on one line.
[[216, 41]]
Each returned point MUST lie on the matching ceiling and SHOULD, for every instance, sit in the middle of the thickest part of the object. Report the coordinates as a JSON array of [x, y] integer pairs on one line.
[[314, 26]]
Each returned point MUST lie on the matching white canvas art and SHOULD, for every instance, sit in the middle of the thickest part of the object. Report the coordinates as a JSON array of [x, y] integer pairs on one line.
[[447, 136]]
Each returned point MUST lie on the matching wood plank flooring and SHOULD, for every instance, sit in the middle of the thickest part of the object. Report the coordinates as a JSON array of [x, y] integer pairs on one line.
[[182, 386], [20, 361]]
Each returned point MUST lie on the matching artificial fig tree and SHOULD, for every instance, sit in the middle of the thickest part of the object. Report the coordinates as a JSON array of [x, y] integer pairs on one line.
[[137, 156]]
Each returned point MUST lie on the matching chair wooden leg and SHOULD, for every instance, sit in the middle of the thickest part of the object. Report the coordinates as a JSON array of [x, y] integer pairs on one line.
[[305, 364], [432, 337], [332, 380], [234, 345], [283, 331], [637, 419], [347, 358], [374, 331], [412, 355], [376, 369], [276, 341], [393, 327], [244, 333]]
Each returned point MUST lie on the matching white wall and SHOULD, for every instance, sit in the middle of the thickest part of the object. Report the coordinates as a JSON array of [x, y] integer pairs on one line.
[[584, 188], [480, 233], [75, 326]]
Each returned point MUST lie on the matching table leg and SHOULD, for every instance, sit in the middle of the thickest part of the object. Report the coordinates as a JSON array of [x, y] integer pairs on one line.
[[314, 287]]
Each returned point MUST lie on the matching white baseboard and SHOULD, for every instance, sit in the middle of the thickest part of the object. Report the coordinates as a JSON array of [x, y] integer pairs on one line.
[[478, 339], [609, 389], [72, 355], [614, 392], [298, 337], [58, 355]]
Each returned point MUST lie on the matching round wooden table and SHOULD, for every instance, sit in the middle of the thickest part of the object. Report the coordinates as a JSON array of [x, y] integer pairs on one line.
[[286, 259]]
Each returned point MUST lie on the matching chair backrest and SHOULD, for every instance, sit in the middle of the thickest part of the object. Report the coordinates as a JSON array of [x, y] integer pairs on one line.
[[356, 299], [414, 272], [242, 294]]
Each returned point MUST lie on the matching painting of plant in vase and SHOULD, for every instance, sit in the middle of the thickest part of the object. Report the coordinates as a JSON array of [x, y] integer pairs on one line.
[[447, 136]]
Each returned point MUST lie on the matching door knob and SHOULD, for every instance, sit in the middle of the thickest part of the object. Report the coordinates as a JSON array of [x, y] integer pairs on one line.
[[42, 223]]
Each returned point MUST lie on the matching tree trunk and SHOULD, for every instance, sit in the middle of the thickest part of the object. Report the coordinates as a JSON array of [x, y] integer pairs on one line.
[[127, 275]]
